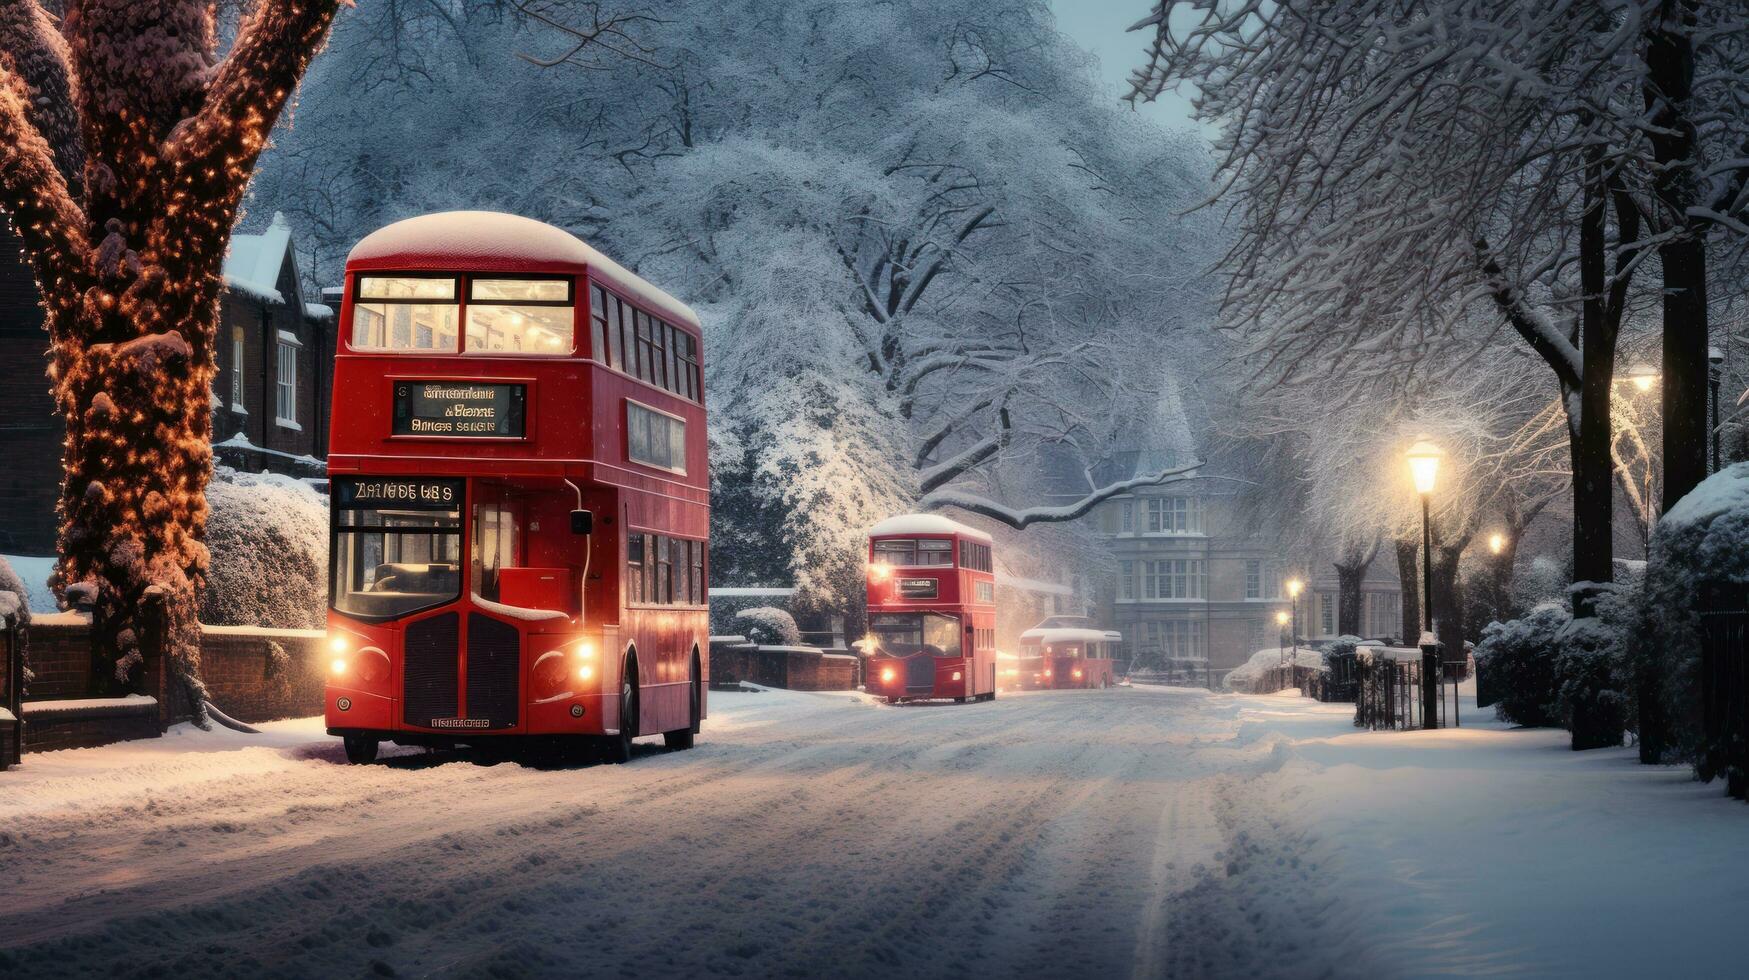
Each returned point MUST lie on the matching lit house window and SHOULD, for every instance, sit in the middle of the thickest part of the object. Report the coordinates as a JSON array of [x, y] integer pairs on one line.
[[285, 401], [237, 346]]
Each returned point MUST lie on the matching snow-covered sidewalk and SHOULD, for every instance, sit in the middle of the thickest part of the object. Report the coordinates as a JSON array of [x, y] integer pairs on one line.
[[1143, 832]]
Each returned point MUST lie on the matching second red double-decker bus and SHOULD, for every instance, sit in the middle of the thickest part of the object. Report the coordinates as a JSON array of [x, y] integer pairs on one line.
[[519, 499], [1054, 657], [931, 610]]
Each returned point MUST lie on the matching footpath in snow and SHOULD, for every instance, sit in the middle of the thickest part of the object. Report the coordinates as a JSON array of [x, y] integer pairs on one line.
[[1132, 832]]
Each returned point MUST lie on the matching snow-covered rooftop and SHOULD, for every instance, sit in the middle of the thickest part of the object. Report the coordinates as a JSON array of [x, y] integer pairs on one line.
[[253, 263], [491, 241], [924, 524], [1068, 634]]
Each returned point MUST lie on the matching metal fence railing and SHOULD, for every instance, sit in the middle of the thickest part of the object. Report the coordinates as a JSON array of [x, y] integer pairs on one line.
[[1389, 694], [1724, 687], [12, 641]]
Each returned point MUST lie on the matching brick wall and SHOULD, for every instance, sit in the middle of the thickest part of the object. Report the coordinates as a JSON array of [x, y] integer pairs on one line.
[[60, 657], [244, 681], [88, 728], [31, 429], [793, 668]]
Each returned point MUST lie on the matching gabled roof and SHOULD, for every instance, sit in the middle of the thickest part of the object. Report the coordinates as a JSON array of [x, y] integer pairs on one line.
[[254, 263]]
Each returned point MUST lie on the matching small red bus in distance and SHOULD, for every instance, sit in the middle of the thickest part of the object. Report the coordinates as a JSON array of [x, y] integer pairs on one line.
[[519, 503], [1068, 657], [931, 611]]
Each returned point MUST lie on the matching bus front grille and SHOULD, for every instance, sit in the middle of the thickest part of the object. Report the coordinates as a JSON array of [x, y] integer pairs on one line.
[[431, 659], [494, 671], [920, 672]]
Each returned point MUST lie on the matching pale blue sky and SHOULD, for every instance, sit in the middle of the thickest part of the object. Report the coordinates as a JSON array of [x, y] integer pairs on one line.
[[1100, 27]]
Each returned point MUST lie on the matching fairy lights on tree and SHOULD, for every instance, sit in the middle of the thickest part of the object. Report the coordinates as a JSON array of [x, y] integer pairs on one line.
[[126, 142]]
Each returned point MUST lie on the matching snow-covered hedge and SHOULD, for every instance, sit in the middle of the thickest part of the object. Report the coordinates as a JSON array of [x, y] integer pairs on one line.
[[1519, 658], [1246, 677], [15, 608], [769, 626], [268, 536], [1702, 542]]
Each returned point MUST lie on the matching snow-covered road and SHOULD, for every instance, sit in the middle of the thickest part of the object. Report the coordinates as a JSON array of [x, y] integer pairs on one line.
[[1134, 832]]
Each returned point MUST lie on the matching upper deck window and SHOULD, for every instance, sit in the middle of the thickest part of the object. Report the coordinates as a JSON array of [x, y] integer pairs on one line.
[[910, 552], [405, 313], [645, 347], [520, 316]]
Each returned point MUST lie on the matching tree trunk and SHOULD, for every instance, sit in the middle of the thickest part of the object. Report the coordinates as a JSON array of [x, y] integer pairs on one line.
[[1409, 575], [1593, 468], [1348, 598], [1669, 85], [1448, 602], [128, 258]]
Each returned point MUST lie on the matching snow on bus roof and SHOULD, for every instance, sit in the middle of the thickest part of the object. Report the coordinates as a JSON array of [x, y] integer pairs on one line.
[[1067, 634], [491, 241], [924, 524]]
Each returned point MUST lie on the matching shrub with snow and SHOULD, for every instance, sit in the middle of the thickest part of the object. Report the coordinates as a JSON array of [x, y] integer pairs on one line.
[[1702, 543], [15, 608], [1246, 677], [1520, 660], [768, 626], [268, 536]]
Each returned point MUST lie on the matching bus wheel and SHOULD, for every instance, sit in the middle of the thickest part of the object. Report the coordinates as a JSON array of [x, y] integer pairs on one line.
[[683, 738], [360, 750], [619, 747]]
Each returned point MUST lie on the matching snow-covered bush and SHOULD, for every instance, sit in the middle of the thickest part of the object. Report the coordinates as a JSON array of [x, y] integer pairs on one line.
[[1592, 673], [268, 536], [768, 626], [1542, 579], [1701, 543], [15, 608], [1520, 660], [1246, 677]]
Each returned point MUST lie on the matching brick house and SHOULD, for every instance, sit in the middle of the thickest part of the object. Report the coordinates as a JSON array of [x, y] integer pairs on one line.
[[270, 398]]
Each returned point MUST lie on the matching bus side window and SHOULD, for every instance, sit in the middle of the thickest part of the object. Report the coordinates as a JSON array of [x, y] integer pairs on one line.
[[634, 568], [620, 330], [598, 324]]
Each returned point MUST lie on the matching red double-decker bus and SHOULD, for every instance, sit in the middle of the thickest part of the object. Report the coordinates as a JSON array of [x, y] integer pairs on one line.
[[519, 503], [931, 611], [1062, 657]]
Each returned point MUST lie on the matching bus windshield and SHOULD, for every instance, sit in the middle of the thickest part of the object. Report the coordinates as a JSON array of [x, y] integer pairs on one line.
[[391, 559], [903, 634]]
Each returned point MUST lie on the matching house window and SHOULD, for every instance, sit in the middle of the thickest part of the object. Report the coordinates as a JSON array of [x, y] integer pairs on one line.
[[1253, 579], [1174, 640], [1327, 613], [1129, 516], [1126, 580], [237, 346], [1173, 578], [1175, 515], [285, 403]]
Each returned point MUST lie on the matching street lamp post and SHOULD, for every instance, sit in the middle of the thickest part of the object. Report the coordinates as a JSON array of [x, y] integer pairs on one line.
[[1281, 620], [1424, 468], [1294, 586], [1715, 362]]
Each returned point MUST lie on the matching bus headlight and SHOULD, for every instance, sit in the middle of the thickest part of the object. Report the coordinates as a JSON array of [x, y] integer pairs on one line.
[[887, 675], [338, 644], [1047, 672], [956, 675], [585, 673], [586, 650], [1077, 672], [339, 665]]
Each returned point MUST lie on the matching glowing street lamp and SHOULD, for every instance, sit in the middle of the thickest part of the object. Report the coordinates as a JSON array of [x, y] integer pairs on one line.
[[1294, 586], [1643, 376], [1424, 468], [1496, 542]]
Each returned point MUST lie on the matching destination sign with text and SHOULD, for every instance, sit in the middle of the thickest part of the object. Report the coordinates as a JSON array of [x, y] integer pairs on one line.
[[460, 409]]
